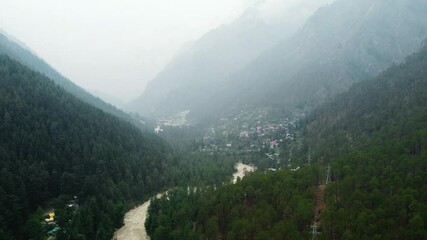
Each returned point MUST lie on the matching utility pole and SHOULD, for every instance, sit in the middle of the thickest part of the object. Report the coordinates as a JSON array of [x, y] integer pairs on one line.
[[314, 232], [328, 177]]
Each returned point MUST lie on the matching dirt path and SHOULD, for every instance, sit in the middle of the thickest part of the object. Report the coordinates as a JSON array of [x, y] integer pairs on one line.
[[320, 204], [134, 221]]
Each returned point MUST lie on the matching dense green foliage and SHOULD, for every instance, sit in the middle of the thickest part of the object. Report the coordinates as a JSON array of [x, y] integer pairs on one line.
[[54, 146], [261, 206], [376, 136], [24, 55], [192, 141], [387, 107], [52, 143], [379, 193]]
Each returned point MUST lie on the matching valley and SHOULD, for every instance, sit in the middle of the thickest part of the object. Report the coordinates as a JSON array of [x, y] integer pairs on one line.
[[134, 224], [134, 220], [264, 137], [311, 124]]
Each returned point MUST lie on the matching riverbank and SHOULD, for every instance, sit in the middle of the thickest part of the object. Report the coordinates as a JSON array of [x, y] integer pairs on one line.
[[134, 224], [242, 170], [134, 221]]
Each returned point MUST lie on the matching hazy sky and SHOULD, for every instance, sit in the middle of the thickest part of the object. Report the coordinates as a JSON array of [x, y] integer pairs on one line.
[[117, 46]]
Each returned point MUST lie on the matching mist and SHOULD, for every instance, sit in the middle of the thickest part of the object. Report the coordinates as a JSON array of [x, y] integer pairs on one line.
[[144, 119], [116, 48]]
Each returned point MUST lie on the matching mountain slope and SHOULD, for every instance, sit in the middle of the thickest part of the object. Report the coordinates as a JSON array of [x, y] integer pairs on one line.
[[374, 136], [194, 74], [342, 43], [21, 53], [53, 144], [393, 104], [260, 206]]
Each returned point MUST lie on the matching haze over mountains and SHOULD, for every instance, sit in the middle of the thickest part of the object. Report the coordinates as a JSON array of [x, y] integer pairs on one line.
[[341, 43], [19, 51], [204, 66], [332, 112], [374, 137], [344, 42]]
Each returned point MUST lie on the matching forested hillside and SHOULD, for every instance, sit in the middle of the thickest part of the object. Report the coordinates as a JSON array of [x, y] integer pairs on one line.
[[390, 106], [26, 57], [333, 119], [54, 146], [375, 138], [261, 206]]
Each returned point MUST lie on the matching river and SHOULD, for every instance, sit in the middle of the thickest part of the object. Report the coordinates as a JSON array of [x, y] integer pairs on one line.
[[134, 221]]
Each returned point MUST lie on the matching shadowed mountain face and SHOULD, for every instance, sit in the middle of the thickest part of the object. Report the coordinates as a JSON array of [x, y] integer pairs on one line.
[[197, 73], [345, 42], [386, 108], [20, 52], [53, 144], [342, 43]]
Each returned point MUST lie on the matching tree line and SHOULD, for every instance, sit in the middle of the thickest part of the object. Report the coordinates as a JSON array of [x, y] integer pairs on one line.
[[375, 138], [54, 146]]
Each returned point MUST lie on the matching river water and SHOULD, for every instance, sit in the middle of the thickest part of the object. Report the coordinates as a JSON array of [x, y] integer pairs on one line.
[[134, 221]]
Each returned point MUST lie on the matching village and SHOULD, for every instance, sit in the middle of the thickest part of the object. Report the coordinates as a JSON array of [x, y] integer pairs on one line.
[[259, 137], [50, 223]]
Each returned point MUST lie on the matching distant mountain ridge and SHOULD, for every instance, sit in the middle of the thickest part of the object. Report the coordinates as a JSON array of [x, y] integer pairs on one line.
[[342, 43], [203, 67], [20, 52]]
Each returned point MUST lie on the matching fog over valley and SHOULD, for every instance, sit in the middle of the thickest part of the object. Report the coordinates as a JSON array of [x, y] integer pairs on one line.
[[213, 119], [116, 48]]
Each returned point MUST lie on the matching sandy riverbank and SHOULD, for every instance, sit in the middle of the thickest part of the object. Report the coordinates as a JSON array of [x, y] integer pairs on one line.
[[134, 224]]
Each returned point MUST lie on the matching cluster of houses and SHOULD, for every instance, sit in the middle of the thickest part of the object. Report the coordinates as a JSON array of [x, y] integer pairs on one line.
[[51, 222], [50, 217], [248, 133], [245, 134]]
